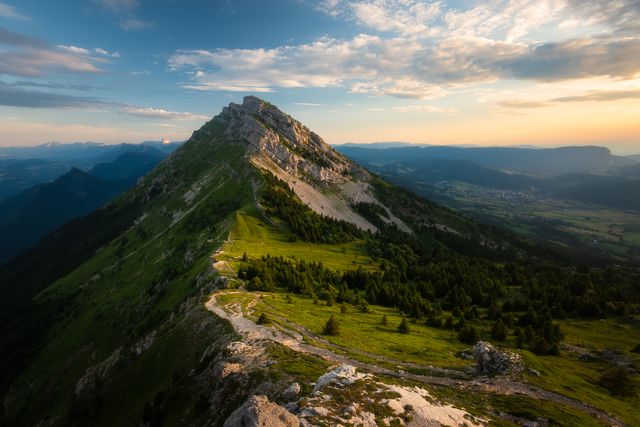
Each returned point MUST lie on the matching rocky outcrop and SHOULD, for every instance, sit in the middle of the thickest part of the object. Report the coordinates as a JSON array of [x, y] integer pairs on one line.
[[491, 361], [292, 392], [278, 137], [344, 375], [257, 411]]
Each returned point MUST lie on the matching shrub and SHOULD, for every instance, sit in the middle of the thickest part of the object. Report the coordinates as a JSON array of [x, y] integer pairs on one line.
[[617, 381], [263, 320], [332, 327]]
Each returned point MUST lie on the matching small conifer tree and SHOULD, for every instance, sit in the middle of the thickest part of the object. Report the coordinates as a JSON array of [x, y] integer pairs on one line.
[[403, 327], [384, 320], [332, 327]]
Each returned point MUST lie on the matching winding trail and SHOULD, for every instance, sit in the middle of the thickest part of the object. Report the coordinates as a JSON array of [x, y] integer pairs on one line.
[[293, 336]]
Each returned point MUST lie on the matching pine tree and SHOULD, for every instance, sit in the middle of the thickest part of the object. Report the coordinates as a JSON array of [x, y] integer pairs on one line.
[[384, 320], [343, 308], [332, 327], [403, 327]]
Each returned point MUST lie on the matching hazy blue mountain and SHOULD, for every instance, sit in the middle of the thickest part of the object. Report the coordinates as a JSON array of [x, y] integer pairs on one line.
[[612, 191], [631, 171], [80, 150], [378, 145], [18, 174], [540, 161], [127, 167], [24, 167], [27, 217], [433, 171]]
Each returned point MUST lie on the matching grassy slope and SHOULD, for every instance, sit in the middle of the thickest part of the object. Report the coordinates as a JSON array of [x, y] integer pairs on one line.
[[432, 346], [255, 235], [151, 278]]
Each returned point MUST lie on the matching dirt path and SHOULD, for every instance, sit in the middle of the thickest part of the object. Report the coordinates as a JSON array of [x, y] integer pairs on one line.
[[292, 336]]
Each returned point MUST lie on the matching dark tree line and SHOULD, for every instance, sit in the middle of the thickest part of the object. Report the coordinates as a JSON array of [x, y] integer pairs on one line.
[[432, 272]]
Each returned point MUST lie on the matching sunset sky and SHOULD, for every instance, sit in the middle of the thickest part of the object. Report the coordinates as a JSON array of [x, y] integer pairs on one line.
[[545, 73]]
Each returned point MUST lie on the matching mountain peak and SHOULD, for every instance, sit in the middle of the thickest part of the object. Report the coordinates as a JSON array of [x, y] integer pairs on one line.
[[276, 139], [277, 144]]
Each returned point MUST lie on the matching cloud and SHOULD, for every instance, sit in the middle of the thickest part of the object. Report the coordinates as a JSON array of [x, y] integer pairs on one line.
[[125, 11], [10, 38], [307, 104], [426, 50], [133, 24], [27, 56], [516, 104], [602, 95], [74, 49], [87, 52], [424, 108], [160, 113], [118, 6], [364, 64], [573, 59], [622, 17], [14, 95], [8, 11], [104, 52], [50, 85], [590, 96]]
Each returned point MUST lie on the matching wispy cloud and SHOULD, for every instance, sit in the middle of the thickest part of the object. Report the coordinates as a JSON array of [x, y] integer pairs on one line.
[[28, 56], [8, 11], [125, 12], [160, 113], [17, 95], [424, 108], [132, 24], [307, 104], [589, 96], [88, 52]]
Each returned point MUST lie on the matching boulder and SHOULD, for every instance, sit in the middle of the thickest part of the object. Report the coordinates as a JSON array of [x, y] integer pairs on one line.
[[491, 361], [291, 392], [257, 411]]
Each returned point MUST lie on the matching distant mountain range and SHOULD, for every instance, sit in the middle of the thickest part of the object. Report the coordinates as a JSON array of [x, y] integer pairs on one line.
[[24, 167], [588, 174], [539, 161], [28, 216], [80, 150]]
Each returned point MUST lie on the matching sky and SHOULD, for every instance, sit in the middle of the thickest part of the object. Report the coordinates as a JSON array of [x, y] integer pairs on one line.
[[497, 72]]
